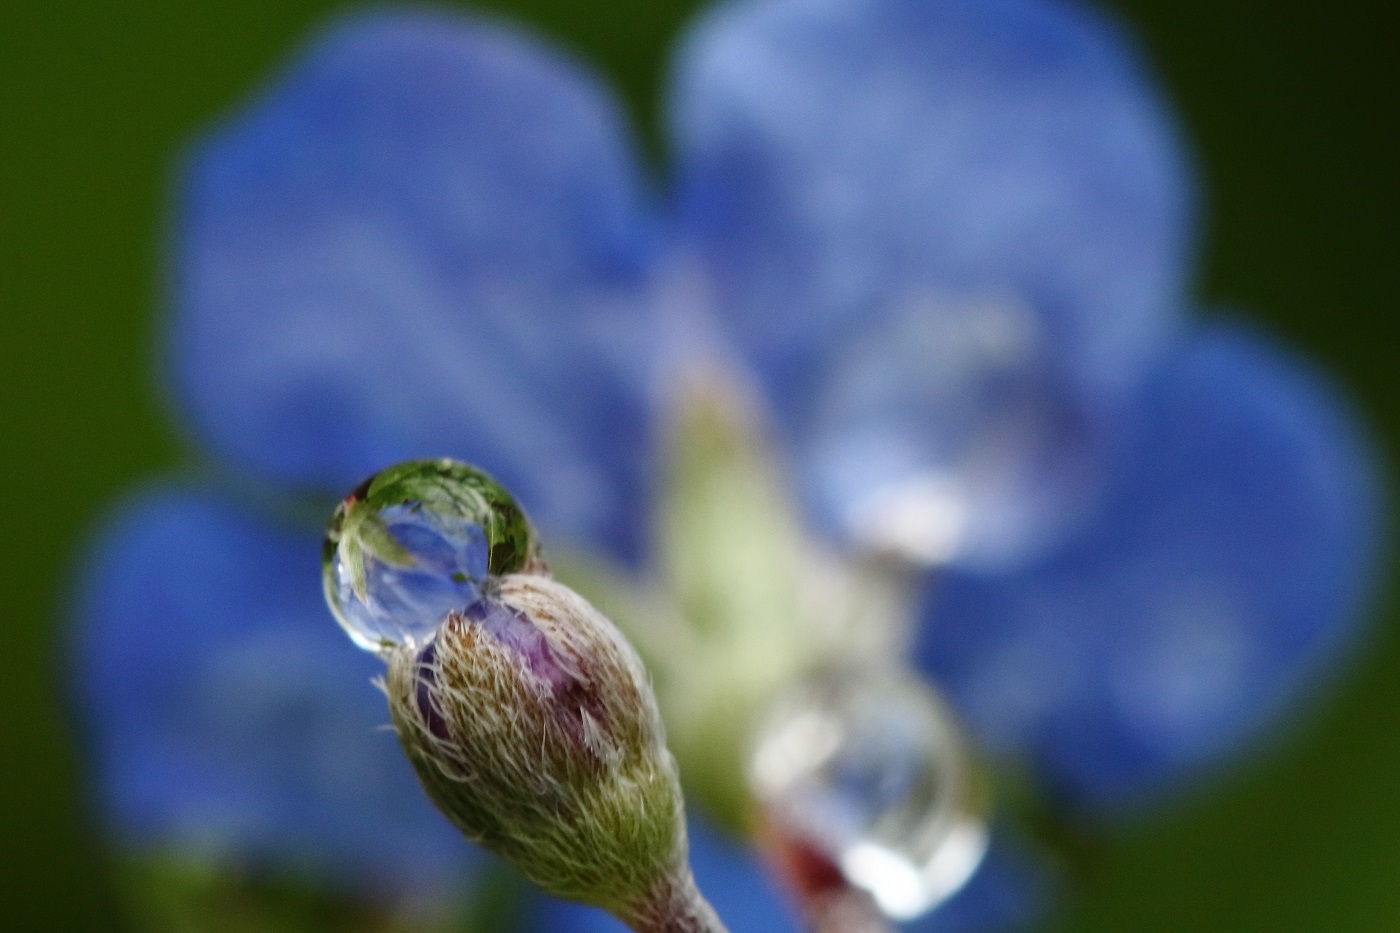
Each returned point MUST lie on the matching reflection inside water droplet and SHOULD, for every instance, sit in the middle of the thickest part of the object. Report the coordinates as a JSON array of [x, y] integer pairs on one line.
[[402, 604], [417, 541], [868, 766]]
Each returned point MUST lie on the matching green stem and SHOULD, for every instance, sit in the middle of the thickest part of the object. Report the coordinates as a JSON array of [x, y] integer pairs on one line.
[[676, 906]]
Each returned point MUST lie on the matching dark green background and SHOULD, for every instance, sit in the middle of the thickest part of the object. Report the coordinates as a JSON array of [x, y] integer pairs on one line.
[[1291, 110]]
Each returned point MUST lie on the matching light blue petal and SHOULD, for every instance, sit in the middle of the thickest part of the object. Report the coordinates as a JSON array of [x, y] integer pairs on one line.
[[426, 239], [229, 714], [986, 195], [1219, 585]]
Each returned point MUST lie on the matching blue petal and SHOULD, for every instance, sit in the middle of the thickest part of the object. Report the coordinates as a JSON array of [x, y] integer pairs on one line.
[[845, 158], [1218, 585], [984, 193], [230, 715], [1010, 891], [428, 239]]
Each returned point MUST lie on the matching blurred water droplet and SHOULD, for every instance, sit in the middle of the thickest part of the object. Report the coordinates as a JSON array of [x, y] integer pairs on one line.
[[868, 766], [947, 435], [415, 542]]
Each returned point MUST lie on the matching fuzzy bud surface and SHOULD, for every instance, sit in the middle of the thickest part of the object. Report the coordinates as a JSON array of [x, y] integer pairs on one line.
[[532, 725]]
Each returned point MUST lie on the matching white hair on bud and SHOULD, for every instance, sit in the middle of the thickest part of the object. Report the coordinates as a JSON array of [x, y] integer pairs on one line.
[[550, 752]]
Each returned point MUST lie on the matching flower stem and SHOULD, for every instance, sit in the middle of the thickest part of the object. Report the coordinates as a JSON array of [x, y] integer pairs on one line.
[[676, 906]]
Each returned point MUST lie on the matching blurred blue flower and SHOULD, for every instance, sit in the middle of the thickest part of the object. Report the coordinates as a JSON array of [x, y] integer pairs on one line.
[[230, 722], [951, 244]]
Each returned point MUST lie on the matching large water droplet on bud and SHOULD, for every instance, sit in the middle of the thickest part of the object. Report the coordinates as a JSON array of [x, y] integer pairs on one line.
[[416, 541], [868, 767]]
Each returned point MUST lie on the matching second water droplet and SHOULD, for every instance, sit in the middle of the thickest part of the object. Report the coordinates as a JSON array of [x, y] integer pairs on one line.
[[869, 767]]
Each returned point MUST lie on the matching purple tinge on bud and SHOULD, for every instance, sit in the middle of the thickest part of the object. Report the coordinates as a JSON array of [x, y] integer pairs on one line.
[[427, 704], [558, 674], [573, 693], [514, 630]]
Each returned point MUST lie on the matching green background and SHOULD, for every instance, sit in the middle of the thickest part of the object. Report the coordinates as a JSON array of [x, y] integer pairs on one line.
[[1290, 109]]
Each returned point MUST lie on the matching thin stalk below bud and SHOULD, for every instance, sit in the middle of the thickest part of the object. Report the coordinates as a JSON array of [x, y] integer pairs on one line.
[[676, 906]]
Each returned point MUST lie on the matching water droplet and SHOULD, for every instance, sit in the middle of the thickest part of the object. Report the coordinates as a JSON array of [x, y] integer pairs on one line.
[[416, 541], [946, 435], [868, 767]]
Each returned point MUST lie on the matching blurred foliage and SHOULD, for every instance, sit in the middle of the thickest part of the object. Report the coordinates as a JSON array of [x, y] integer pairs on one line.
[[174, 894], [1285, 104]]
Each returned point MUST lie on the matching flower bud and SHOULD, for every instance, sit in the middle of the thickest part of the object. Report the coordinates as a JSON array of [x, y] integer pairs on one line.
[[533, 727]]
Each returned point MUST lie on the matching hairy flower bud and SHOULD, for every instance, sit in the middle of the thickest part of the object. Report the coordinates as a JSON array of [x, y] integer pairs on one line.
[[533, 727], [529, 718]]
